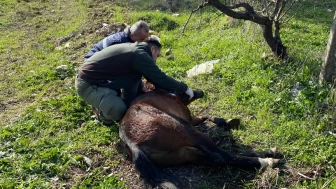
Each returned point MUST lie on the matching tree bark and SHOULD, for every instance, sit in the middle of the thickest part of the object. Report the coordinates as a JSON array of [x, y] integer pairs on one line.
[[266, 22], [329, 66]]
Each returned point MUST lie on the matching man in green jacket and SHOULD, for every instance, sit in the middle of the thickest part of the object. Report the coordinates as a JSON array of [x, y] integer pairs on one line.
[[118, 67]]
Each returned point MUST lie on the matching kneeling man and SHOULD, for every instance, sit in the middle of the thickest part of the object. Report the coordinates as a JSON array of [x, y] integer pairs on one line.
[[102, 76]]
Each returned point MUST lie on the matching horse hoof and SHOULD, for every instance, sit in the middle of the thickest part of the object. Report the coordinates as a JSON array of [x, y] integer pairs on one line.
[[198, 93], [220, 122], [269, 162], [273, 162], [274, 150], [168, 185], [233, 123]]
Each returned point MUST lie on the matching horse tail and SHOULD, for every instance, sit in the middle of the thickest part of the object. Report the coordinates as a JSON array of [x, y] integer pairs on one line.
[[151, 174]]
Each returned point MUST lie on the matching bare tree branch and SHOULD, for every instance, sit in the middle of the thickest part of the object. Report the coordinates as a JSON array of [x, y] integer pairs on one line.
[[277, 30], [289, 8], [252, 16], [247, 7], [192, 12], [266, 22], [282, 6], [266, 8], [295, 12], [276, 9]]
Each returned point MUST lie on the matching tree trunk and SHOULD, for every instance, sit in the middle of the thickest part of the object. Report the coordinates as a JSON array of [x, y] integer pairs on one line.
[[329, 66], [273, 42], [272, 38]]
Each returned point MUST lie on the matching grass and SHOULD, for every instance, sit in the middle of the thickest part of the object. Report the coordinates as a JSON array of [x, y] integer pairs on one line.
[[47, 132]]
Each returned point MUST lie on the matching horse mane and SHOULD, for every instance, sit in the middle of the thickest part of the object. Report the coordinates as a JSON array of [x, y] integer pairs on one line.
[[184, 98]]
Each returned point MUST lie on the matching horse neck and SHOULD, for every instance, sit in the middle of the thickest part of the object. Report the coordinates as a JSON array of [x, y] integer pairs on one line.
[[166, 102]]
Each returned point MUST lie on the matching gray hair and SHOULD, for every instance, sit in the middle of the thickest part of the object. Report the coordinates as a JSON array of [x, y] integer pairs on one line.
[[135, 29]]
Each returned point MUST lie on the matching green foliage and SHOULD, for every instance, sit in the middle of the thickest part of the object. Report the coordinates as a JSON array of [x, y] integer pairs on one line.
[[44, 142], [55, 130], [157, 21], [96, 180]]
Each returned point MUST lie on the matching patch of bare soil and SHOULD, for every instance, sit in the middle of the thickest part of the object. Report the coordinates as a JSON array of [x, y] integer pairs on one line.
[[96, 25], [10, 111]]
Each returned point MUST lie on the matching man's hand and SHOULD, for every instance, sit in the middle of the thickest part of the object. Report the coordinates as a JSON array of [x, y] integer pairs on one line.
[[147, 86], [190, 93]]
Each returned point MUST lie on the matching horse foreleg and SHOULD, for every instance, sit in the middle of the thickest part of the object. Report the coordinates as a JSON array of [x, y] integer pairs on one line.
[[196, 120], [221, 122]]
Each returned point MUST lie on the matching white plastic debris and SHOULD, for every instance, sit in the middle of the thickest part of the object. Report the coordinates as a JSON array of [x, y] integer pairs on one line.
[[87, 160], [176, 15], [54, 179], [295, 90], [204, 68], [62, 67], [2, 153], [329, 10], [67, 45]]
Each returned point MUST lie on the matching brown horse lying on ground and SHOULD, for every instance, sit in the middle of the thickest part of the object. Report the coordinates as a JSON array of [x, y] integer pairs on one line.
[[158, 130]]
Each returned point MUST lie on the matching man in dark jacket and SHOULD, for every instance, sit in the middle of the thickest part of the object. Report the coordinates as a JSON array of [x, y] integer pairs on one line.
[[122, 67], [137, 33]]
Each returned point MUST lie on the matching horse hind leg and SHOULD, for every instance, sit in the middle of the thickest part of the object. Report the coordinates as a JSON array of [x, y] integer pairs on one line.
[[186, 154], [220, 156], [269, 153]]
